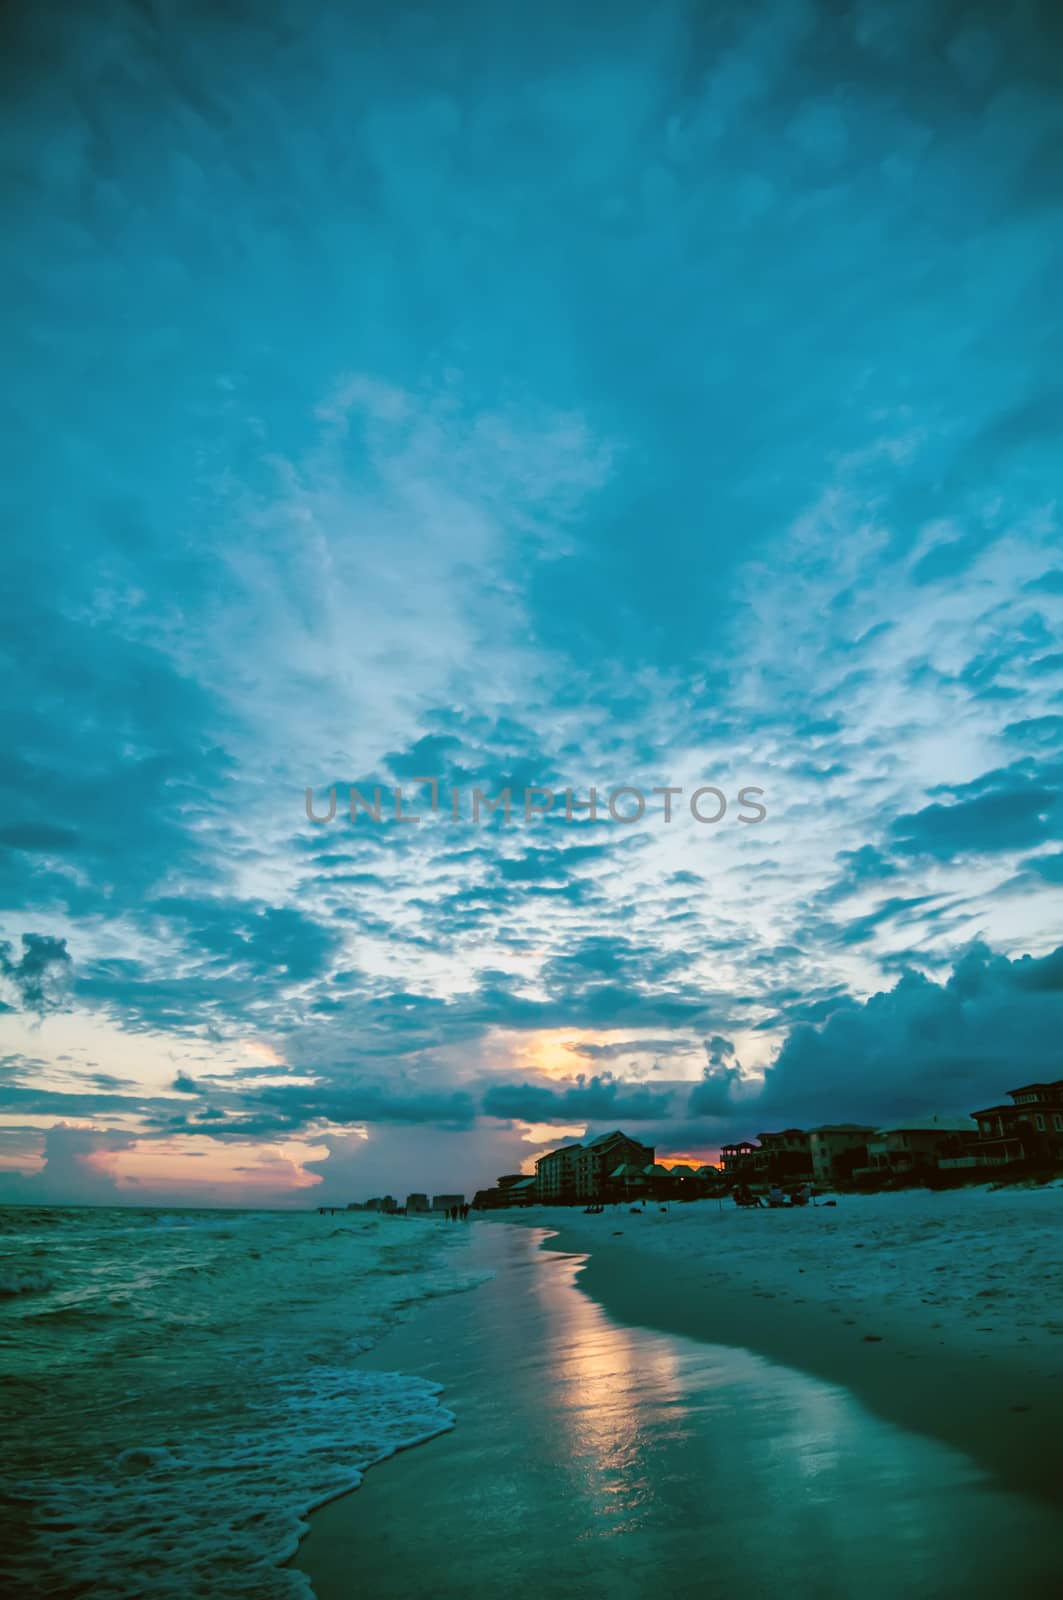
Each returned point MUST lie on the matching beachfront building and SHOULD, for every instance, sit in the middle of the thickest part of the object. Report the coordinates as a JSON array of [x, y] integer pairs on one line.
[[416, 1205], [836, 1148], [512, 1189], [580, 1172], [658, 1180], [1030, 1129], [599, 1156], [915, 1146], [447, 1202], [681, 1181], [626, 1182], [737, 1159], [381, 1202], [783, 1156], [555, 1176]]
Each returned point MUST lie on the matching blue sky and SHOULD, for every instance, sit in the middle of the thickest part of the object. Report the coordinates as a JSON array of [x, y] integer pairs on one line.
[[513, 399]]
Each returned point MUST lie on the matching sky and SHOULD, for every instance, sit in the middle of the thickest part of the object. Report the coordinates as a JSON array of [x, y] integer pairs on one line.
[[528, 399]]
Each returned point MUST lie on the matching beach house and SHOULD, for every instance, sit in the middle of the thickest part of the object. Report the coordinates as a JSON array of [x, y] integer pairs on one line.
[[836, 1148], [1030, 1129], [737, 1159], [914, 1147], [783, 1155], [626, 1182]]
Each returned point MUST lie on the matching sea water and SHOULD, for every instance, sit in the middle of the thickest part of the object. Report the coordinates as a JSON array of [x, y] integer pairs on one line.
[[180, 1388]]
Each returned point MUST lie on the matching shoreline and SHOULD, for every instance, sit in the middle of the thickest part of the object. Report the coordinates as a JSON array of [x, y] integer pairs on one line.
[[600, 1392], [971, 1377]]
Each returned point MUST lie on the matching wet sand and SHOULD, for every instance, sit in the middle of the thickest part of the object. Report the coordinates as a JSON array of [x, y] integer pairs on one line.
[[597, 1456], [982, 1387]]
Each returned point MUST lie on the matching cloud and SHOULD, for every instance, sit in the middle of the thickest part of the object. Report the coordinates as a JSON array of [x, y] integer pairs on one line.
[[714, 1095], [397, 1160], [597, 1099], [268, 941], [307, 523], [276, 1110], [925, 1046], [667, 1044], [77, 1168], [1010, 809], [40, 977]]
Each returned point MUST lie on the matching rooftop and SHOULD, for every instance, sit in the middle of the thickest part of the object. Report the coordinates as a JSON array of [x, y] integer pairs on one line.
[[607, 1138], [562, 1149], [843, 1127], [931, 1124]]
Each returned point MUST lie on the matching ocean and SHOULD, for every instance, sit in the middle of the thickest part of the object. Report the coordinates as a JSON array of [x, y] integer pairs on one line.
[[180, 1389]]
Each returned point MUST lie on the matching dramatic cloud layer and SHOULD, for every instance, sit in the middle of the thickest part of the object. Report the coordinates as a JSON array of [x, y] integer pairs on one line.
[[488, 396]]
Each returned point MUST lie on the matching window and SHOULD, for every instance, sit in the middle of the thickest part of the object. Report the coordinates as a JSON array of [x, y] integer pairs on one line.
[[1039, 1122], [1057, 1122]]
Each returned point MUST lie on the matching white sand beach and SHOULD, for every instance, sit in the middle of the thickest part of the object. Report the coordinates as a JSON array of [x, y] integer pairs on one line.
[[975, 1268], [941, 1311], [817, 1403]]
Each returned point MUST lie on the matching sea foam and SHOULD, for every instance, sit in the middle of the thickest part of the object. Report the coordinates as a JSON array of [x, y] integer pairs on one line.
[[186, 1390]]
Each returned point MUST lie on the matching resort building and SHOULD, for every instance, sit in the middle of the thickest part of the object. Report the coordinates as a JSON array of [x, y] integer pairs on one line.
[[578, 1172], [513, 1189], [447, 1202], [416, 1205], [836, 1148], [555, 1175]]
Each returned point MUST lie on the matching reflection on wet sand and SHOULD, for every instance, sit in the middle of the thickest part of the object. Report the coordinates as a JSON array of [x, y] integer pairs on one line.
[[721, 1455], [596, 1459]]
